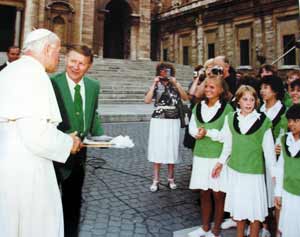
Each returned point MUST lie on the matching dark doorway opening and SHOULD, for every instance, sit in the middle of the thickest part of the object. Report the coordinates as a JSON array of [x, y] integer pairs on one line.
[[117, 30], [7, 27]]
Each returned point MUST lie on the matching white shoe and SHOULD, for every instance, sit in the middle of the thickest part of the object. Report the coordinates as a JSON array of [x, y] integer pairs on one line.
[[172, 184], [198, 232], [228, 223], [211, 234], [154, 186], [265, 233]]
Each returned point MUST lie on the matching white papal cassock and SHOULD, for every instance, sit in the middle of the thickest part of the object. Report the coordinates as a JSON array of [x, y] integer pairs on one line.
[[30, 204]]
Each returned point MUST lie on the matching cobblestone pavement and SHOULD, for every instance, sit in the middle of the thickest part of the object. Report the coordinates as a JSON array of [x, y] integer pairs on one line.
[[117, 200]]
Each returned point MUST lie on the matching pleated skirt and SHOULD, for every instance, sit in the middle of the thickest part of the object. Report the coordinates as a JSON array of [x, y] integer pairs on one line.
[[246, 196], [201, 175], [164, 137], [289, 221]]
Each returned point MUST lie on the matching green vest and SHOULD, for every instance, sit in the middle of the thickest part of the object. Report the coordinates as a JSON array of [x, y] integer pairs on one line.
[[279, 122], [291, 178], [206, 147], [247, 151], [287, 100]]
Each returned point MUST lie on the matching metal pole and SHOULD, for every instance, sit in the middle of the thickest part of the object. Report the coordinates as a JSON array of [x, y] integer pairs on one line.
[[287, 52]]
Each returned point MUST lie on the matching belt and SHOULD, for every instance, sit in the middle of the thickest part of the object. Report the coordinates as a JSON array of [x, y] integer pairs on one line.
[[166, 107]]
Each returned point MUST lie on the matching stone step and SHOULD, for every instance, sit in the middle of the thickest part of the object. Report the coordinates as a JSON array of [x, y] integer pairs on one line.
[[129, 96], [121, 101], [131, 86], [117, 90], [126, 81]]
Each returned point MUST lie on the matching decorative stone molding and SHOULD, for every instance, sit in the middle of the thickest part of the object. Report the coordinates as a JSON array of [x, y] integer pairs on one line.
[[59, 18]]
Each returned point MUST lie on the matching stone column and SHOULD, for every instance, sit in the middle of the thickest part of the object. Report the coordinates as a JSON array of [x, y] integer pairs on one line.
[[200, 41], [176, 47], [88, 21], [229, 43], [77, 24], [221, 40], [270, 38], [99, 32], [18, 27], [144, 30], [134, 36], [258, 41], [31, 16]]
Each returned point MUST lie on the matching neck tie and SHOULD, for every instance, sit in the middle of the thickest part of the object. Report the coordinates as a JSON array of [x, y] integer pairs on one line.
[[78, 110]]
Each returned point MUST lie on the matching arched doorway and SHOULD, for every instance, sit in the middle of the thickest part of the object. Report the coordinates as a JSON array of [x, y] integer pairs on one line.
[[7, 26], [117, 30]]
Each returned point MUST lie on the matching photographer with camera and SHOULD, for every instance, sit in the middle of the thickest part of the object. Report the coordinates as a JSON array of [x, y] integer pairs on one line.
[[210, 68], [198, 77], [229, 74], [164, 131]]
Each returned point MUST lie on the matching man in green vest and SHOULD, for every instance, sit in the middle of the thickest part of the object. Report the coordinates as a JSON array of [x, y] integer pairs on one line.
[[77, 97]]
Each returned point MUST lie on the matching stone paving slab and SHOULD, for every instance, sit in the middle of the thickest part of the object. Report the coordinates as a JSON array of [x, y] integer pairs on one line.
[[116, 197]]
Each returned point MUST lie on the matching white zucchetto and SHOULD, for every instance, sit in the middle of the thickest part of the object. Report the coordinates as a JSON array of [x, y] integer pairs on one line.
[[36, 35]]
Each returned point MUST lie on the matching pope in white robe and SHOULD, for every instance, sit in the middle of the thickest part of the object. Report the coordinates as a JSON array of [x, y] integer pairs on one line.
[[30, 203]]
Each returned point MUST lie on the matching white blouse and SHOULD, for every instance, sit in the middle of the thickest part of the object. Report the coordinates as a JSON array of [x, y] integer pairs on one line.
[[273, 111]]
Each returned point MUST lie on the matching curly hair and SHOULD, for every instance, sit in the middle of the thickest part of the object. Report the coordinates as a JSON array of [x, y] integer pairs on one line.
[[162, 66]]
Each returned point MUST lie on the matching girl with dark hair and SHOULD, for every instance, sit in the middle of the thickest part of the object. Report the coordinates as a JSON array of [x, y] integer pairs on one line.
[[272, 93], [287, 191]]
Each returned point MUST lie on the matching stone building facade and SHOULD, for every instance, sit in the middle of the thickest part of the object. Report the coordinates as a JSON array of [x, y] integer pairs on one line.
[[113, 28], [248, 32]]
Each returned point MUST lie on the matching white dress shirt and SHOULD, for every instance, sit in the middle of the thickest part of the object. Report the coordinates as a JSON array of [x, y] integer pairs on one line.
[[72, 85]]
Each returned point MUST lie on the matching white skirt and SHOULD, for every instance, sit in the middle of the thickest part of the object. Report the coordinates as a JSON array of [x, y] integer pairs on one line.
[[289, 221], [270, 189], [246, 196], [201, 175], [164, 136]]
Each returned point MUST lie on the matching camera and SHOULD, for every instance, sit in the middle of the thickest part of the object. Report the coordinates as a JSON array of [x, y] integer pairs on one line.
[[201, 74], [167, 75], [168, 70], [217, 70]]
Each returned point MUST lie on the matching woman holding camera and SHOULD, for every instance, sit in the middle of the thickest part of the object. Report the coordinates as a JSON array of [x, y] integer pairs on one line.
[[164, 132]]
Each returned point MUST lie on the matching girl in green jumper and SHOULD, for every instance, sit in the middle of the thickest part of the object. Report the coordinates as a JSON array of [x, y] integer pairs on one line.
[[287, 189], [249, 142], [208, 116], [272, 92]]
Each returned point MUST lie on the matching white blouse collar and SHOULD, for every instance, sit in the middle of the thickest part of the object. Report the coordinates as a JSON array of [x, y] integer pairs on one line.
[[253, 115], [293, 145], [273, 111], [216, 106]]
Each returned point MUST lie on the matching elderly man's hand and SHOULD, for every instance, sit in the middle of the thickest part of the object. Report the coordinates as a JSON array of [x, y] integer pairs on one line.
[[76, 143]]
